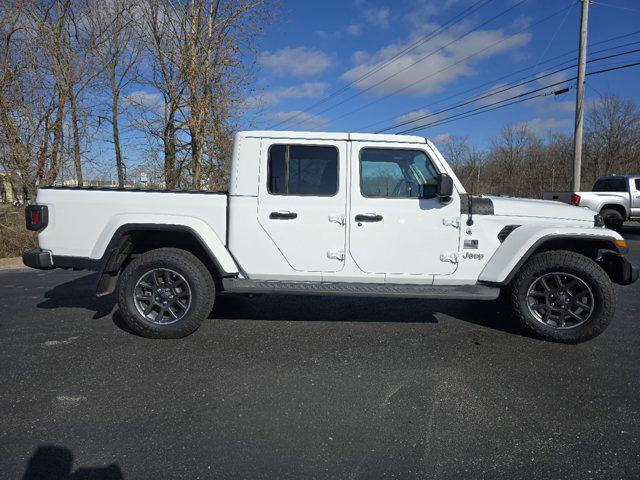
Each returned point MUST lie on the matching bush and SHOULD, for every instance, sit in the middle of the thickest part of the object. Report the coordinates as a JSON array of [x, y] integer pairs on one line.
[[14, 237]]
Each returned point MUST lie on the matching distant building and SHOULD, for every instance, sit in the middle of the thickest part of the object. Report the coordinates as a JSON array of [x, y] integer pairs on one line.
[[11, 188]]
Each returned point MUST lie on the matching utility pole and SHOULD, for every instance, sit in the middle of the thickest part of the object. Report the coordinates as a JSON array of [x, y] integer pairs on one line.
[[582, 63]]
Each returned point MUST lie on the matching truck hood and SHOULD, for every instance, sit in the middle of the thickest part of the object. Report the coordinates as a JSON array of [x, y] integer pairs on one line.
[[525, 207]]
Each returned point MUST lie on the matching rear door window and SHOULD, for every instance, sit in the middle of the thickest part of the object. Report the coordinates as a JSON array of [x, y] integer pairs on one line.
[[303, 170], [610, 185]]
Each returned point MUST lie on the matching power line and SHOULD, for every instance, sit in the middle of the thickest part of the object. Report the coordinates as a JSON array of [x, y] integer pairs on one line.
[[498, 79], [553, 37], [437, 72], [462, 115], [620, 7], [451, 22], [519, 99], [486, 109], [503, 12], [504, 89]]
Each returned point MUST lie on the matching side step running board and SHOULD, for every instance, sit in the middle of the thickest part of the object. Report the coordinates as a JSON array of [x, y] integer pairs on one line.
[[460, 292]]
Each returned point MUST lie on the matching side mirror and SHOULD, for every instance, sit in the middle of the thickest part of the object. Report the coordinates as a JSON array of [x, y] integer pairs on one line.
[[444, 187]]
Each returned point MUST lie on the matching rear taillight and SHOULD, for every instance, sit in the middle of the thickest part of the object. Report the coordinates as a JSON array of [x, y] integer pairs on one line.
[[575, 199], [37, 217]]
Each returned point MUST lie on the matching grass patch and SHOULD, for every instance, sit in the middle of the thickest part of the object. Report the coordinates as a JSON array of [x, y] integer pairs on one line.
[[14, 237]]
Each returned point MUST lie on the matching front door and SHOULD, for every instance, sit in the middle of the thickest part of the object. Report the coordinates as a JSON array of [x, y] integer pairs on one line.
[[302, 201], [393, 230]]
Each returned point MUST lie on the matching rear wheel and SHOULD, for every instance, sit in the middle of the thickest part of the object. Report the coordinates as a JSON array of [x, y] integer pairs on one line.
[[563, 297], [165, 293], [613, 219]]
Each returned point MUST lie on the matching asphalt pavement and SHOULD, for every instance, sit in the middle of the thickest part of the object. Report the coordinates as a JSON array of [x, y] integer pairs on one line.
[[310, 387]]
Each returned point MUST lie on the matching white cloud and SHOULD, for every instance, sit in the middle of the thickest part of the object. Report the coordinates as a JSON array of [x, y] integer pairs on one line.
[[542, 126], [326, 35], [421, 71], [354, 29], [378, 17], [299, 62], [547, 106], [433, 7], [140, 98], [553, 78], [304, 90], [567, 106], [486, 43], [506, 92], [442, 138], [502, 95], [303, 120], [411, 116]]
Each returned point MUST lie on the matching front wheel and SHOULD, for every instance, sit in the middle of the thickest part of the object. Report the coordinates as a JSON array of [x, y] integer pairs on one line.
[[563, 297], [612, 219], [165, 293]]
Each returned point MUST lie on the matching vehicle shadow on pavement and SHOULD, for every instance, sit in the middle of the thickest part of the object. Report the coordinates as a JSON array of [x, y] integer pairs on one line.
[[53, 462], [79, 293], [495, 315]]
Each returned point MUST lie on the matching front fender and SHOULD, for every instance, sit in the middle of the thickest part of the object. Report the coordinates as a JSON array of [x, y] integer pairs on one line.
[[526, 239], [119, 224]]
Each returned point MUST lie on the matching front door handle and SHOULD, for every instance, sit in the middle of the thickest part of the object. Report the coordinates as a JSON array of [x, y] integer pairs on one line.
[[368, 217], [283, 215]]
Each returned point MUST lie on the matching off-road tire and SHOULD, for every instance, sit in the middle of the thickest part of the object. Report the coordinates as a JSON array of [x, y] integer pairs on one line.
[[570, 263], [186, 264], [613, 219]]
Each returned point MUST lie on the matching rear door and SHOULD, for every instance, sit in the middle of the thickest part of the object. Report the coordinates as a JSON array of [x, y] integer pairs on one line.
[[392, 230], [302, 201]]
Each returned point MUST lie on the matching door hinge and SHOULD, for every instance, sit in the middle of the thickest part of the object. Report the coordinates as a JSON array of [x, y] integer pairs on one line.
[[451, 257], [339, 219], [451, 222], [336, 254]]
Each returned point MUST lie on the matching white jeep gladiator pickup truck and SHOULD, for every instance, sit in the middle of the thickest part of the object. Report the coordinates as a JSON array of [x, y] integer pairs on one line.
[[333, 214], [616, 198]]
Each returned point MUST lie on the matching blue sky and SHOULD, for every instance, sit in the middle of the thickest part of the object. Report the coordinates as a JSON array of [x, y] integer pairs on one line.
[[315, 48]]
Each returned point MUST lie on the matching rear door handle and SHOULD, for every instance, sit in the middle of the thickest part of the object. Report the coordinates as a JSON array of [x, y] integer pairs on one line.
[[283, 215], [368, 217]]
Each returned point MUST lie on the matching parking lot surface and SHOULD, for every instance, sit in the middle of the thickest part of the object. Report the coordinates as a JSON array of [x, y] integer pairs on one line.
[[310, 387]]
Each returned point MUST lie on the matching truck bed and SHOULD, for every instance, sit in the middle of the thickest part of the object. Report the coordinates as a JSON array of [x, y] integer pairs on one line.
[[82, 220], [129, 189]]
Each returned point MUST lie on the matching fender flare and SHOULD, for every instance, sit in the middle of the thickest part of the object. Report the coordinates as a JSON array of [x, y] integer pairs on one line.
[[494, 275], [118, 249], [618, 206], [214, 247]]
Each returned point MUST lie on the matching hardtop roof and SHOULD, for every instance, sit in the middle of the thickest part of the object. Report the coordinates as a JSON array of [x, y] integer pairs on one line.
[[360, 137]]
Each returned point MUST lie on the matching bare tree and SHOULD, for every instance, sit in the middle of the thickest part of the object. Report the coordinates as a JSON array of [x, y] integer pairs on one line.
[[456, 150], [118, 54], [218, 33], [613, 137], [25, 103]]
